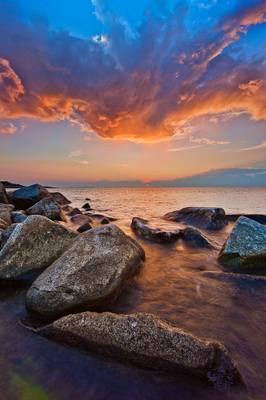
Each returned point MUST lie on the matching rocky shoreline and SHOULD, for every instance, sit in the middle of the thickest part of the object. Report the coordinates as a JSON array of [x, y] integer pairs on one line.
[[86, 267]]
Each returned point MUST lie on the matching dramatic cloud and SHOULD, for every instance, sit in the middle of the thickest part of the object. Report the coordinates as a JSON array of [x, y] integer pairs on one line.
[[7, 128], [143, 85]]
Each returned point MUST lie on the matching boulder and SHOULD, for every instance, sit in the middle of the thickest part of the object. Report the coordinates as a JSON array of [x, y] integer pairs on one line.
[[48, 208], [33, 245], [195, 238], [60, 198], [90, 274], [3, 194], [86, 206], [84, 227], [27, 196], [80, 219], [149, 342], [18, 216], [204, 217], [245, 248], [140, 227], [6, 207]]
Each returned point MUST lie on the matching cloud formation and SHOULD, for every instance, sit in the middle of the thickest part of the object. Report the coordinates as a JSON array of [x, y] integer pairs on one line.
[[7, 128], [142, 85]]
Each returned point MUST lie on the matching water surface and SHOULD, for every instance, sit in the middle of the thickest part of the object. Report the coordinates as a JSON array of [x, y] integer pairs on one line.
[[174, 285]]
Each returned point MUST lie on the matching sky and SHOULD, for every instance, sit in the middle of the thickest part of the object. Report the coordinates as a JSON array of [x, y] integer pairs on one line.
[[120, 90]]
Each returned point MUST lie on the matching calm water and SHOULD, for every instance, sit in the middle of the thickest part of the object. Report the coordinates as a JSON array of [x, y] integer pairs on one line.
[[173, 284]]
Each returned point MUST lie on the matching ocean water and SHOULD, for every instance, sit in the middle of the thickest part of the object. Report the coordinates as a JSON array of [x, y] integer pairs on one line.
[[175, 283]]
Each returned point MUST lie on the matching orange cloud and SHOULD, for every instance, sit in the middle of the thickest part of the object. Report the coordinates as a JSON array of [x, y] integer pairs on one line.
[[7, 128], [142, 88]]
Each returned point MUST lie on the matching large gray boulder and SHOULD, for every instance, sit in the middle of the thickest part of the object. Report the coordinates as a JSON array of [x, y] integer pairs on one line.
[[149, 342], [3, 194], [245, 248], [33, 245], [48, 208], [90, 274], [204, 217], [25, 197], [141, 228]]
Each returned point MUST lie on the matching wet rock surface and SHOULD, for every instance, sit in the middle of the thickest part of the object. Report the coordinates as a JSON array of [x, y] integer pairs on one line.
[[195, 238], [203, 217], [90, 274], [192, 236], [27, 196], [245, 248], [140, 227], [33, 245], [84, 227], [86, 206], [149, 342]]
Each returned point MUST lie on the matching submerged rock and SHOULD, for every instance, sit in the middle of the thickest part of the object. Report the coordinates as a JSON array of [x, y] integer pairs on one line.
[[84, 227], [98, 216], [80, 219], [48, 208], [60, 198], [86, 206], [3, 194], [190, 235], [148, 342], [245, 248], [195, 238], [140, 227], [27, 196], [105, 221], [89, 274], [33, 245], [204, 217], [74, 211]]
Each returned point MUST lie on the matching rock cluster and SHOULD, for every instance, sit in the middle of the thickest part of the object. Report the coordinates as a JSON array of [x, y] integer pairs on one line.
[[192, 236], [86, 267]]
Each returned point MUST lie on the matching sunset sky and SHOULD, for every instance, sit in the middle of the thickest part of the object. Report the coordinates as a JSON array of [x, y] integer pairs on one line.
[[121, 90]]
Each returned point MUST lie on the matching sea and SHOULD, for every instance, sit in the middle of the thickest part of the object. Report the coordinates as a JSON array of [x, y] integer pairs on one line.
[[180, 284]]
